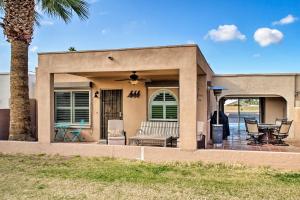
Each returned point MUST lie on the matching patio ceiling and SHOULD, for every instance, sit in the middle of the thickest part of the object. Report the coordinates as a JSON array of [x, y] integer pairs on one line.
[[251, 96], [149, 74]]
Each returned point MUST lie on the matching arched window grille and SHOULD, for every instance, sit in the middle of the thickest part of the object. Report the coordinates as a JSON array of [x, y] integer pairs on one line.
[[163, 106]]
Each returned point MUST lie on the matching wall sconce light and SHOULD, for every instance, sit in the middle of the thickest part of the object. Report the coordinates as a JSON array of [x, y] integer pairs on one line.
[[96, 94]]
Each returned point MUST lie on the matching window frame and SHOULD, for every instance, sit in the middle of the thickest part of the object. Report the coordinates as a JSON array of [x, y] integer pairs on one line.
[[72, 123], [164, 104]]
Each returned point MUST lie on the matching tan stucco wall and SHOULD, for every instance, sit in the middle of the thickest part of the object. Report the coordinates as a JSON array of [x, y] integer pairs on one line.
[[188, 60], [281, 160], [264, 86], [275, 107], [204, 96]]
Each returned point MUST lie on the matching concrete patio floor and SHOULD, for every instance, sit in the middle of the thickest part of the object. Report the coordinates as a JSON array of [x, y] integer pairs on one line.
[[238, 141]]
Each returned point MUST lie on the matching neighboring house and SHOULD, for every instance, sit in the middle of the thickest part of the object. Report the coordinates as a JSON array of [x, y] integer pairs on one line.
[[86, 85], [4, 104], [5, 89]]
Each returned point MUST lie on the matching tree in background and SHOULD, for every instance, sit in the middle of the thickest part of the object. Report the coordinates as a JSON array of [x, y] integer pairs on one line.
[[72, 49]]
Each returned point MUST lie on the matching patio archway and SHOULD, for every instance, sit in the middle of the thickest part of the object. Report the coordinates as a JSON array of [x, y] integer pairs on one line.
[[265, 109]]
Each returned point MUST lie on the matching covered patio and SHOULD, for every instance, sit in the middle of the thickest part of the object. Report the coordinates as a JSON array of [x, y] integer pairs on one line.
[[262, 98], [179, 73], [238, 141]]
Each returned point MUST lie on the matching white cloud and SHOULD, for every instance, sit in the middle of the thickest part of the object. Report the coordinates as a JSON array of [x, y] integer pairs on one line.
[[33, 49], [46, 22], [266, 36], [286, 20], [225, 33]]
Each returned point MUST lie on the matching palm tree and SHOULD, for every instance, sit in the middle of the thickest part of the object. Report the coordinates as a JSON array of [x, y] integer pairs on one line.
[[18, 26], [72, 49]]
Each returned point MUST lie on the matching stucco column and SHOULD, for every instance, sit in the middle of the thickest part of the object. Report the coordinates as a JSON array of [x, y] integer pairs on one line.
[[188, 107], [45, 107], [291, 116]]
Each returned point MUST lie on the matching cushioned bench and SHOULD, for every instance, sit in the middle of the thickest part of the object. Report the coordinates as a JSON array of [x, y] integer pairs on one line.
[[153, 133]]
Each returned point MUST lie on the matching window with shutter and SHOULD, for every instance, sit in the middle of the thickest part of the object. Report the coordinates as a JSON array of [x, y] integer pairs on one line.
[[81, 107], [72, 107], [163, 106], [63, 107]]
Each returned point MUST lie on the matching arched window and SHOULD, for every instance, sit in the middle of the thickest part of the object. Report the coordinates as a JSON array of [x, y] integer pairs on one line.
[[163, 106]]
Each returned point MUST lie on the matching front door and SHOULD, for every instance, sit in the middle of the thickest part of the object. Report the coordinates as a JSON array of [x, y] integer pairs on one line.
[[111, 108]]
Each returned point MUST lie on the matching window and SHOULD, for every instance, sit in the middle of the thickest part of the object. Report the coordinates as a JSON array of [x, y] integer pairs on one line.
[[163, 106], [72, 107]]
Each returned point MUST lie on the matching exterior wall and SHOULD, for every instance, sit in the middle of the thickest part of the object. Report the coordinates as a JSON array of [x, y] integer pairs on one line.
[[134, 109], [5, 89], [275, 107], [204, 75], [264, 86], [281, 160]]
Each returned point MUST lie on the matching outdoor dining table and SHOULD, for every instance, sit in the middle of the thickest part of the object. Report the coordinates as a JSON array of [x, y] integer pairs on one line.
[[268, 129]]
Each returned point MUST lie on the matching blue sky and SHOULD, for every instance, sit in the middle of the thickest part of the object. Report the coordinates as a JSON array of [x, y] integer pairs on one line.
[[223, 29]]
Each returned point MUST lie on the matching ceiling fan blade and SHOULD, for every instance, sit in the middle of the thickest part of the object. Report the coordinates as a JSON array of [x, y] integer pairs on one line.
[[126, 79], [145, 80]]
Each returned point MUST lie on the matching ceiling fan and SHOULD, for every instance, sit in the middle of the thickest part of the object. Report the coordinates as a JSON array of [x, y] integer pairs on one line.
[[134, 79]]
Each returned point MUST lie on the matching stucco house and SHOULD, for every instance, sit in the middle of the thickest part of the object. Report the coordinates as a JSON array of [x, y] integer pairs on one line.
[[5, 89], [4, 103], [92, 85]]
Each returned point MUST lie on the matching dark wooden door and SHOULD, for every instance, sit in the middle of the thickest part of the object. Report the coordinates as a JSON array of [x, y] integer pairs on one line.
[[111, 108]]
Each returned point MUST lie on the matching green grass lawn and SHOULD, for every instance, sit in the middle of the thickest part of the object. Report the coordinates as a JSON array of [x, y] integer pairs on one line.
[[56, 177]]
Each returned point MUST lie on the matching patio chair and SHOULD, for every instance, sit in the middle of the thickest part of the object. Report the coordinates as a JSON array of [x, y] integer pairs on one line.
[[76, 133], [116, 134], [253, 131], [248, 119], [278, 121], [282, 133], [61, 130]]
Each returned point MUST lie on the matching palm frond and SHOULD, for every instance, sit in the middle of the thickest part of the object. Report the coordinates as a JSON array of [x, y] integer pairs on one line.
[[1, 11], [64, 9], [1, 5], [37, 17]]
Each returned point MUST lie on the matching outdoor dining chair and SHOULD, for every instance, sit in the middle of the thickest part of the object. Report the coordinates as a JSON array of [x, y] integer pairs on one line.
[[245, 120], [282, 132], [253, 131], [279, 121]]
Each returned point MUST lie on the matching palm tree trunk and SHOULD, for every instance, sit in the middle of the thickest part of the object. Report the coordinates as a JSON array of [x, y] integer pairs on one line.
[[19, 97]]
